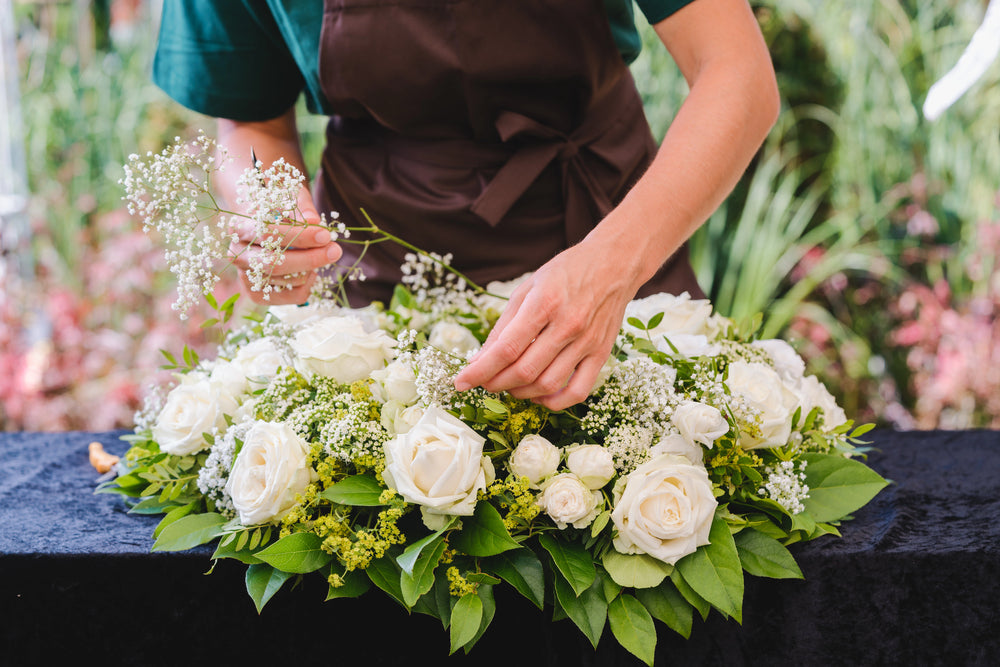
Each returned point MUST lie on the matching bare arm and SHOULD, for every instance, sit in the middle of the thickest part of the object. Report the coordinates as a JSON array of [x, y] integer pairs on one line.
[[560, 326], [312, 249]]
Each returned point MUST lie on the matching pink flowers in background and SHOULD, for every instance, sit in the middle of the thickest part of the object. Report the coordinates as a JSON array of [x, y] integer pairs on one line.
[[77, 352]]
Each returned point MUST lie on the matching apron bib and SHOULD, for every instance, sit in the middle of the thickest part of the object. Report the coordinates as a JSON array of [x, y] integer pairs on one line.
[[500, 131]]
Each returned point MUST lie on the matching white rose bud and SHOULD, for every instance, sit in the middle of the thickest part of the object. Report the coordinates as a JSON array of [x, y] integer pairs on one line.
[[592, 464], [678, 445], [813, 394], [270, 470], [259, 362], [786, 360], [700, 423], [396, 382], [664, 509], [535, 458], [453, 338], [298, 315], [230, 376], [195, 406], [398, 418], [438, 464], [763, 389], [340, 348], [568, 501], [681, 315]]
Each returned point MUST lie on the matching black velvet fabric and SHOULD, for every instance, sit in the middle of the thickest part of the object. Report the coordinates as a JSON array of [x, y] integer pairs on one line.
[[913, 581]]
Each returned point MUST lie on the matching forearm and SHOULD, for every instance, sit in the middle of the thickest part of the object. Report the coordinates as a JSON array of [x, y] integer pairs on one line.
[[732, 105]]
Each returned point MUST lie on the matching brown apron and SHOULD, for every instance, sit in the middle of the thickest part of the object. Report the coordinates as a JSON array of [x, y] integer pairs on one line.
[[500, 131]]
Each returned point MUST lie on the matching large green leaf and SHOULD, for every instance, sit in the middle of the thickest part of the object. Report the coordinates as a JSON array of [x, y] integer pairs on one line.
[[633, 627], [521, 569], [263, 581], [700, 604], [668, 606], [635, 570], [359, 491], [355, 584], [484, 533], [485, 594], [588, 610], [714, 571], [466, 618], [297, 553], [190, 531], [420, 578], [838, 486], [385, 573], [572, 560], [764, 556], [412, 553]]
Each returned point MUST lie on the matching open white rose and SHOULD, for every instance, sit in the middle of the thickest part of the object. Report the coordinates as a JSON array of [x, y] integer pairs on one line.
[[438, 464], [592, 464], [665, 509], [269, 471], [699, 423], [230, 376], [568, 501], [812, 394], [259, 362], [195, 406], [498, 293], [762, 389], [395, 382], [535, 458], [677, 445], [453, 338], [681, 315], [338, 347], [298, 315], [786, 360]]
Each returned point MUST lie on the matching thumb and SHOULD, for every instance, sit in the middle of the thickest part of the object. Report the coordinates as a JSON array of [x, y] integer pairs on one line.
[[307, 209]]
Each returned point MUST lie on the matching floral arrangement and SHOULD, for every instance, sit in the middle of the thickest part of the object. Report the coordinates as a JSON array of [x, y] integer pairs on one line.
[[329, 441]]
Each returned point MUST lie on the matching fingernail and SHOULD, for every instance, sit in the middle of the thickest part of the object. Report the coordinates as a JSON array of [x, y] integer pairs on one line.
[[322, 236], [333, 253], [462, 385]]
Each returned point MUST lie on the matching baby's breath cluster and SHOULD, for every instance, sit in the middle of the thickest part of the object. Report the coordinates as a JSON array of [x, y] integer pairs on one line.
[[785, 484]]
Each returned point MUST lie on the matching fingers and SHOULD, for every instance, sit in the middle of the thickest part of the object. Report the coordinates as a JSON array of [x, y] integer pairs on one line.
[[295, 260], [579, 385], [286, 291]]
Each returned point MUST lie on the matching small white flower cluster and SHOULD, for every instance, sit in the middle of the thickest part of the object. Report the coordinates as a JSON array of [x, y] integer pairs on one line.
[[214, 474], [435, 380], [437, 289], [354, 436], [786, 486]]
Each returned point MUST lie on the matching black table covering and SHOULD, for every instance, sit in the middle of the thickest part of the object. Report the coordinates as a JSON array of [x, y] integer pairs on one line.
[[914, 580]]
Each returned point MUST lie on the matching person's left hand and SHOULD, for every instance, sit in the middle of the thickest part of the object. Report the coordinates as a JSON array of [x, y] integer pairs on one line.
[[557, 330]]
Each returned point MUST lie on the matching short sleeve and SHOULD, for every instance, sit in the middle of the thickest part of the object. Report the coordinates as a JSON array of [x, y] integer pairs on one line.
[[225, 59], [657, 10]]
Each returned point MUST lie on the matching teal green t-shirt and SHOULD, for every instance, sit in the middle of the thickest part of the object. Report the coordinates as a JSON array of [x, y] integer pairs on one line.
[[249, 60]]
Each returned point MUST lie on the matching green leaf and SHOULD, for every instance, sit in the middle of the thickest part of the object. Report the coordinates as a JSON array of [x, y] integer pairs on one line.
[[355, 585], [714, 571], [522, 570], [190, 531], [668, 606], [228, 549], [572, 560], [297, 553], [635, 570], [484, 533], [174, 515], [633, 627], [466, 618], [494, 406], [838, 486], [764, 556], [636, 322], [485, 594], [697, 602], [263, 581], [356, 491], [420, 579], [385, 573], [654, 321], [409, 557], [588, 610]]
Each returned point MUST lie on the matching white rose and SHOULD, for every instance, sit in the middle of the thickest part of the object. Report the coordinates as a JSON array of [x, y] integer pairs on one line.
[[681, 315], [700, 423], [813, 394], [259, 362], [687, 345], [500, 293], [677, 445], [438, 464], [665, 509], [762, 388], [568, 501], [398, 418], [535, 458], [296, 315], [195, 406], [786, 360], [454, 338], [230, 376], [339, 347], [269, 471], [592, 464], [395, 382]]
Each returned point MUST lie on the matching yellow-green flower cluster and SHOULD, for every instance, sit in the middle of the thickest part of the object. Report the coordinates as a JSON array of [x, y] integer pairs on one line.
[[457, 584], [518, 499]]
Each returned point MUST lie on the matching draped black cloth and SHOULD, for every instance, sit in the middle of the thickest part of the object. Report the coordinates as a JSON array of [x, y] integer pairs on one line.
[[914, 580]]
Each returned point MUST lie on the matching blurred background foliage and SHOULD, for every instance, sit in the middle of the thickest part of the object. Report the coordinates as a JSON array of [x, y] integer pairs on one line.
[[867, 234]]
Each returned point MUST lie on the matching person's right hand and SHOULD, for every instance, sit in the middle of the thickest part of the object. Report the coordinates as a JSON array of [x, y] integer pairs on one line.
[[309, 248]]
